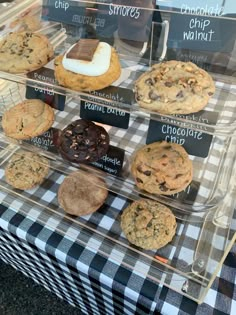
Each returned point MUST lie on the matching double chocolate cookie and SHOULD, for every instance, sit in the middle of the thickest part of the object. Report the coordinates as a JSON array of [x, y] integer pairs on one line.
[[162, 168], [82, 141], [174, 87], [148, 224]]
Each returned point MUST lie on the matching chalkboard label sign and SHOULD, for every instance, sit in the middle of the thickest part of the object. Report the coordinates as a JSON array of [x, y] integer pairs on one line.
[[46, 141], [189, 194], [195, 142], [71, 12], [201, 32], [93, 109], [43, 74], [112, 162]]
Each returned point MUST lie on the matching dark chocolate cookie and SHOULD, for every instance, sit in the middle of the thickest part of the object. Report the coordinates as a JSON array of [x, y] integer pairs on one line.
[[82, 141]]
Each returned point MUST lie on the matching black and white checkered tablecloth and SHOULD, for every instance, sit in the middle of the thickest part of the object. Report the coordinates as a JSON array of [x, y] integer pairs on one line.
[[93, 283], [88, 262]]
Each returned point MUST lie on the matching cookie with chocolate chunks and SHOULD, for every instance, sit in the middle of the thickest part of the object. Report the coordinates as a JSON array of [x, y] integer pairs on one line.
[[82, 141], [21, 52], [162, 168], [148, 224], [174, 87], [26, 170]]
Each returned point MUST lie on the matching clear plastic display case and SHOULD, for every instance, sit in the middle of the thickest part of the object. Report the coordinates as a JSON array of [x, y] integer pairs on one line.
[[204, 211]]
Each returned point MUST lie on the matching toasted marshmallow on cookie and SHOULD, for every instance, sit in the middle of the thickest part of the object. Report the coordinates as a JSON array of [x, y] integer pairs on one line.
[[98, 65]]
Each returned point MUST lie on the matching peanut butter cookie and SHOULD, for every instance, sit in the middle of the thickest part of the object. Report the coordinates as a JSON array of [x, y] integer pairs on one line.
[[162, 168], [148, 224], [174, 87], [27, 119]]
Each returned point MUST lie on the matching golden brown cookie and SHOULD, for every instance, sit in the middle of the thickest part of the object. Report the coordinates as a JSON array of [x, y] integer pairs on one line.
[[148, 224], [27, 119], [174, 87], [81, 194], [21, 52], [29, 23], [162, 168], [26, 170], [81, 82]]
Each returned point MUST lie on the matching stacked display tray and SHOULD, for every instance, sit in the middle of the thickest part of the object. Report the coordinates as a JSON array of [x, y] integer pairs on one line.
[[205, 213]]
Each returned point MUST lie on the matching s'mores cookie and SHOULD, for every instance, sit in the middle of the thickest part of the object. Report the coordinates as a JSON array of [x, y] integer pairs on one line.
[[88, 65]]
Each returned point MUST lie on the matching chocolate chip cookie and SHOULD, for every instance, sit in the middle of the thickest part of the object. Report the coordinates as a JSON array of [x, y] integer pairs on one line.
[[26, 170], [81, 194], [148, 224], [82, 141], [162, 168], [28, 119], [174, 87], [21, 52]]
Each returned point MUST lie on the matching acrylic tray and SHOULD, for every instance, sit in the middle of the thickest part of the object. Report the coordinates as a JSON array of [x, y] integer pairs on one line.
[[188, 264], [211, 179], [62, 36]]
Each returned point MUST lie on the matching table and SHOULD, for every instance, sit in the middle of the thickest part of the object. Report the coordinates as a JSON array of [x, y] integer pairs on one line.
[[92, 283]]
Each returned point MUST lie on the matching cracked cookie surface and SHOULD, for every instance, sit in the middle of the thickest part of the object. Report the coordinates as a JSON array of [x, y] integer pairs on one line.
[[22, 52], [162, 168], [83, 141], [174, 87], [26, 170], [81, 194], [28, 119], [148, 224]]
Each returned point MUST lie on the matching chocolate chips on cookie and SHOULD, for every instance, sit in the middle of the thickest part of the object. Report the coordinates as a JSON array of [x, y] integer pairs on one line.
[[148, 224], [162, 168], [82, 141], [174, 87], [21, 52]]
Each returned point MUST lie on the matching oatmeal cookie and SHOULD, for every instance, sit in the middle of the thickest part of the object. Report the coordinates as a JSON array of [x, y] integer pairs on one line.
[[174, 87], [148, 224], [28, 119], [26, 170], [83, 141], [81, 194], [162, 168], [22, 52]]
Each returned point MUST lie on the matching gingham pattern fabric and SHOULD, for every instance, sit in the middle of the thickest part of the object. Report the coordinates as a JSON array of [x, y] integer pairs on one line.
[[95, 285], [71, 254]]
